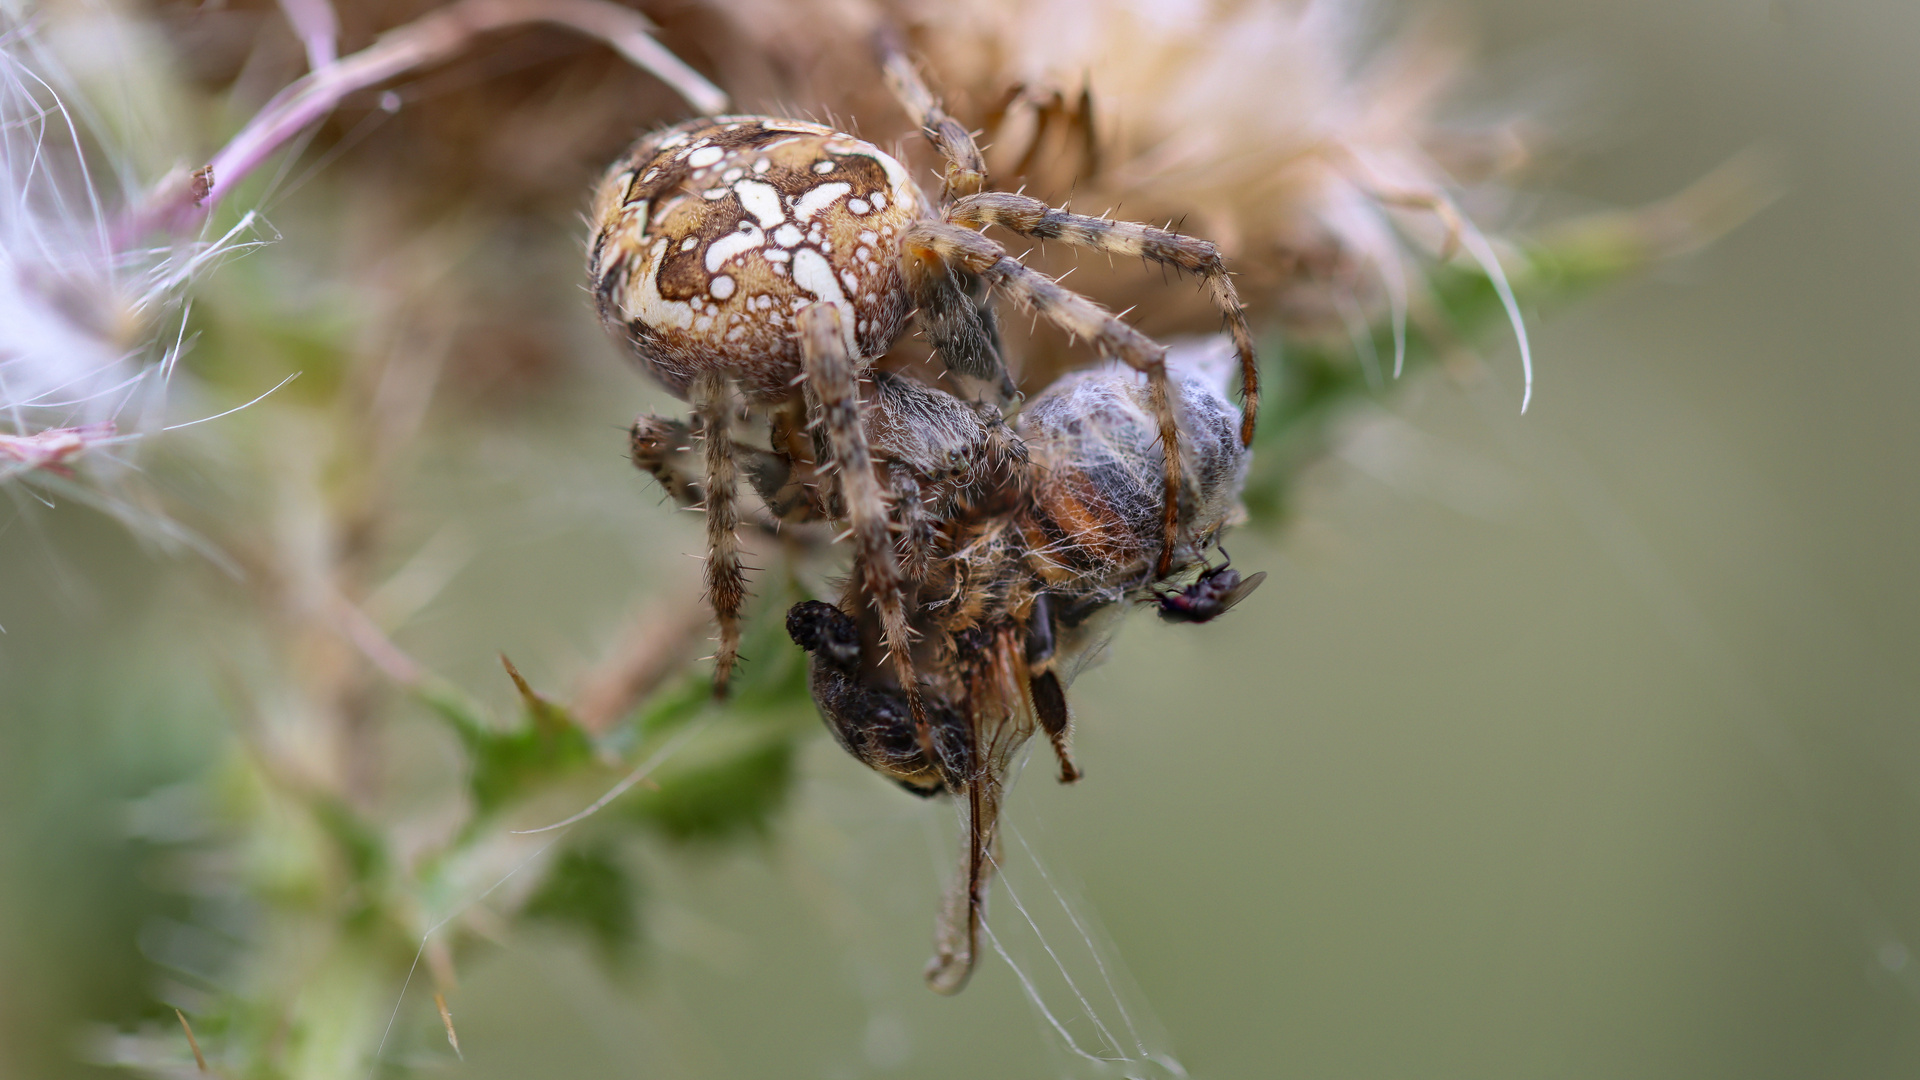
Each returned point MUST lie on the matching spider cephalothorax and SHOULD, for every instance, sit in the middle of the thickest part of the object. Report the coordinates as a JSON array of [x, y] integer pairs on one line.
[[782, 258]]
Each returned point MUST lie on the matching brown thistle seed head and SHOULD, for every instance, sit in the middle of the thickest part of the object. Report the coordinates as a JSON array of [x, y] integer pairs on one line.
[[709, 236]]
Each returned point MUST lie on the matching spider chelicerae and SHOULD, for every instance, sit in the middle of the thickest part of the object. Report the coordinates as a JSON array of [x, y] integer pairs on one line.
[[780, 259]]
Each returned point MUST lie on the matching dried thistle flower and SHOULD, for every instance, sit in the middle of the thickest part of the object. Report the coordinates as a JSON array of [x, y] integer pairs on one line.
[[1314, 157], [68, 321], [1272, 128], [91, 329], [1304, 136]]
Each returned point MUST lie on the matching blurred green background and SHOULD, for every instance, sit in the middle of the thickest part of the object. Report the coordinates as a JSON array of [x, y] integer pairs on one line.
[[1577, 744]]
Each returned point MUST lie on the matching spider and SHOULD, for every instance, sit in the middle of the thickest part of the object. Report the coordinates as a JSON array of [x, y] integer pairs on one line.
[[781, 259], [1024, 592]]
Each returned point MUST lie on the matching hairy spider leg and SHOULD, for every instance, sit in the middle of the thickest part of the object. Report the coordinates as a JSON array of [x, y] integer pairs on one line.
[[833, 381], [1031, 217], [1040, 295], [726, 585], [966, 172], [959, 321], [916, 524], [961, 328]]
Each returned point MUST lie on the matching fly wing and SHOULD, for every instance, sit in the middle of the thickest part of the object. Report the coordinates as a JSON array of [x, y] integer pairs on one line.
[[1001, 719], [1085, 645], [957, 935], [1241, 592]]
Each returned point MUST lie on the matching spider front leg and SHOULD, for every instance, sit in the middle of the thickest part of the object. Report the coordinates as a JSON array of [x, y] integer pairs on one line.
[[833, 379], [966, 168], [961, 330], [726, 585], [1034, 292], [1031, 217]]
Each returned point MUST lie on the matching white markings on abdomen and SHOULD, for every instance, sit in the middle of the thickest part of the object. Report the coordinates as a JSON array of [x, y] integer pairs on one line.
[[813, 273], [736, 243], [818, 199], [760, 200]]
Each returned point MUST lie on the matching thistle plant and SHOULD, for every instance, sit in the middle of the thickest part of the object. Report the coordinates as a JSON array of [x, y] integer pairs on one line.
[[426, 297]]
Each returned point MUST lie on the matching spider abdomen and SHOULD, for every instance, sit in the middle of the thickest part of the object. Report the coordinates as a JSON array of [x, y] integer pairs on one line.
[[710, 237]]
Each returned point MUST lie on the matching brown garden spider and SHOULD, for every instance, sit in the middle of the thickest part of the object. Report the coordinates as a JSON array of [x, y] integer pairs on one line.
[[781, 259]]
